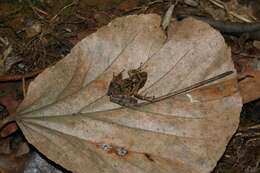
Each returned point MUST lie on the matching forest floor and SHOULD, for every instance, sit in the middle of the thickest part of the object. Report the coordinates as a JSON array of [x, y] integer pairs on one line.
[[35, 34]]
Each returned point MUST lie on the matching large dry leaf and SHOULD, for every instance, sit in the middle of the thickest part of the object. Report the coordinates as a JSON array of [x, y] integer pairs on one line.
[[68, 117]]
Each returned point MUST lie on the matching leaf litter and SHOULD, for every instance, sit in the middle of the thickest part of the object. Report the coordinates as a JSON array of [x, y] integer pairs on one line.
[[67, 115]]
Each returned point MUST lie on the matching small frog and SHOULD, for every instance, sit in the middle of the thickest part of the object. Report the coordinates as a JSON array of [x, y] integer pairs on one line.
[[125, 91]]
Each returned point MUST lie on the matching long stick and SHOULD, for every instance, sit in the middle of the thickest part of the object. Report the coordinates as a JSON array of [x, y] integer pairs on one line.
[[194, 86]]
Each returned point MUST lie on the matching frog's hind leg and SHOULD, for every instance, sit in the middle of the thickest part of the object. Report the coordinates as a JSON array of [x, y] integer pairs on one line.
[[144, 97]]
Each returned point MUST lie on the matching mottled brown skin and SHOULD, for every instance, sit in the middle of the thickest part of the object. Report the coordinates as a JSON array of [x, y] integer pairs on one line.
[[125, 91]]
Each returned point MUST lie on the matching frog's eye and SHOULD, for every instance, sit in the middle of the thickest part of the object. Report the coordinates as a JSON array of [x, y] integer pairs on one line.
[[119, 76], [132, 72], [135, 80]]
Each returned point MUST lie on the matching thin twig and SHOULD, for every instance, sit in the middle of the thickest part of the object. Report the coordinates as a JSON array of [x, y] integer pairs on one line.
[[34, 9], [219, 4], [257, 126], [145, 7], [192, 87], [64, 8], [40, 11], [16, 77], [23, 85], [257, 138]]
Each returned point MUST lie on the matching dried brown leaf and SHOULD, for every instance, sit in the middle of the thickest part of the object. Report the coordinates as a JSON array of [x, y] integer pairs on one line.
[[249, 85], [68, 117]]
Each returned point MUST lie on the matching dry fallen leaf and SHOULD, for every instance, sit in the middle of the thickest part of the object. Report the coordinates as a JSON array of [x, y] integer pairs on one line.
[[249, 85], [68, 117]]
